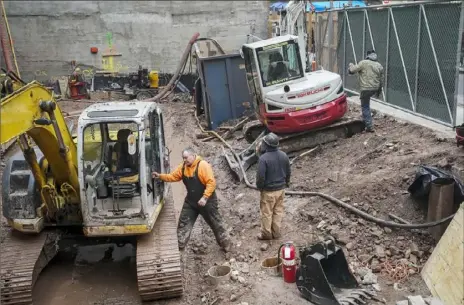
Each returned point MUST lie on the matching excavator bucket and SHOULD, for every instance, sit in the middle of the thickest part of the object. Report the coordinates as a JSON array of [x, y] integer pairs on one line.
[[324, 277], [246, 158]]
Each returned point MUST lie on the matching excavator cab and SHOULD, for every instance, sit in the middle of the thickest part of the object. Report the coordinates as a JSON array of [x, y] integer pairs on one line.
[[120, 145]]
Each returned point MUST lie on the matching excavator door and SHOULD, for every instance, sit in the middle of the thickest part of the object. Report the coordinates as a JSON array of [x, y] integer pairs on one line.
[[158, 155]]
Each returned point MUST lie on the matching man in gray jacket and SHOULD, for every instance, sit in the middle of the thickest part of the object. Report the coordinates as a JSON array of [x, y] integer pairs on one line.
[[370, 79], [272, 178]]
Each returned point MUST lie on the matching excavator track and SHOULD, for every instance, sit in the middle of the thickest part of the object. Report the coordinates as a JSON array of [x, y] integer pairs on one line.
[[22, 259], [289, 143], [252, 130], [159, 272]]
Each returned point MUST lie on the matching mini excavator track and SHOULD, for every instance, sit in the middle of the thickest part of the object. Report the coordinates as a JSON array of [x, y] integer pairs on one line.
[[158, 258], [22, 259], [254, 131]]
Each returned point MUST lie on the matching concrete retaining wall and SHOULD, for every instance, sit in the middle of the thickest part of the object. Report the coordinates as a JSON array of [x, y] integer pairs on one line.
[[48, 35]]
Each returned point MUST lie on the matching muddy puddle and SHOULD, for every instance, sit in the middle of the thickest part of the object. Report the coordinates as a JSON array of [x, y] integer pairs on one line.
[[89, 275]]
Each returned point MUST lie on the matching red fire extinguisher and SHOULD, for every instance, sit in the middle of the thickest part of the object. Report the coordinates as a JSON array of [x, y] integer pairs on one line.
[[287, 253]]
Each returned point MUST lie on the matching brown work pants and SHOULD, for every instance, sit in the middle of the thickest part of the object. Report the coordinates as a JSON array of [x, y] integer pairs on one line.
[[272, 212]]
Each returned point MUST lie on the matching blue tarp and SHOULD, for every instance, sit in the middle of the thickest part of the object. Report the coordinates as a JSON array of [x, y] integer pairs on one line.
[[278, 6], [319, 6], [325, 5]]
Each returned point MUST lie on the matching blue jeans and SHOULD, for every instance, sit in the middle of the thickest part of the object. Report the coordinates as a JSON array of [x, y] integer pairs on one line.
[[365, 98]]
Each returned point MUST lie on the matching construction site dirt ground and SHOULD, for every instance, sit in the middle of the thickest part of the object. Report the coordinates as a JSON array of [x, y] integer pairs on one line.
[[370, 170]]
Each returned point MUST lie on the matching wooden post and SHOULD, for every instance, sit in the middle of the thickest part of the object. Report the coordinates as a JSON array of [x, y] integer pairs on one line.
[[442, 272]]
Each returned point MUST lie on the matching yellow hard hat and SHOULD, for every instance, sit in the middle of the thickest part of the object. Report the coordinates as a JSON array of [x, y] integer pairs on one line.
[[78, 70]]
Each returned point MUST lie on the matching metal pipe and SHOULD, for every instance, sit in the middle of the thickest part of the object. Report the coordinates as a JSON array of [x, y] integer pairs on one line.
[[344, 50], [351, 38], [436, 63], [394, 4], [364, 35], [402, 59], [387, 58], [372, 42], [5, 44], [419, 29], [456, 84], [11, 40]]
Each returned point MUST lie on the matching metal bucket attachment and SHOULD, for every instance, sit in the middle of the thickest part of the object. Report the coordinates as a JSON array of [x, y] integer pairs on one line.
[[294, 142], [324, 277], [247, 158]]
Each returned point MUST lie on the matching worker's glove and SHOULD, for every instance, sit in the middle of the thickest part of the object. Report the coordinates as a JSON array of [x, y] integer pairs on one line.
[[349, 67], [202, 202]]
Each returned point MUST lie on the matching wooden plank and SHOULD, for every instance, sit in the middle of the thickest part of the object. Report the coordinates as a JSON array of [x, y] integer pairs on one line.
[[444, 271]]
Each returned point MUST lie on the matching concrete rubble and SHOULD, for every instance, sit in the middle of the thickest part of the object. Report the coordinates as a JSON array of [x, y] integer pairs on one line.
[[419, 300]]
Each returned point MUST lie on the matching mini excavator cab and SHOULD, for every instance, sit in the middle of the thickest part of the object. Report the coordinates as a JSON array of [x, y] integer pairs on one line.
[[119, 147]]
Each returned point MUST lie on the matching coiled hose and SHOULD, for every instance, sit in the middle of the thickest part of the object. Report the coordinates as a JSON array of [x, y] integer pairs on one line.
[[358, 212]]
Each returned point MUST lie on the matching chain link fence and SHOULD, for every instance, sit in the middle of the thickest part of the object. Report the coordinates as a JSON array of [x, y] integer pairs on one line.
[[418, 44]]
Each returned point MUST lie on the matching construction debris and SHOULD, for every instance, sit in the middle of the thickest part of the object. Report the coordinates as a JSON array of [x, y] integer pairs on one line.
[[419, 300], [388, 258]]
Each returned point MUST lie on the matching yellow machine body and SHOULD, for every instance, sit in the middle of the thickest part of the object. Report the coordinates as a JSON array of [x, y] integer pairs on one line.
[[66, 183]]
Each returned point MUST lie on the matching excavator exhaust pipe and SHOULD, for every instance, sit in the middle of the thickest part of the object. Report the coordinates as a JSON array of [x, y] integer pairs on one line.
[[324, 277]]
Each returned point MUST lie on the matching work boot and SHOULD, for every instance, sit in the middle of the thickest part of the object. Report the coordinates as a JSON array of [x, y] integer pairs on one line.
[[262, 237], [370, 129], [226, 245]]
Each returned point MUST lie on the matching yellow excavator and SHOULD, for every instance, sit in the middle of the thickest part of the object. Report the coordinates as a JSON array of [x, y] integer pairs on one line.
[[96, 184], [99, 183]]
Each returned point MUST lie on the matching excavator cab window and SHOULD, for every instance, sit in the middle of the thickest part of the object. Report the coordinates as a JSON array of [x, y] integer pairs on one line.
[[92, 147], [280, 63], [123, 151]]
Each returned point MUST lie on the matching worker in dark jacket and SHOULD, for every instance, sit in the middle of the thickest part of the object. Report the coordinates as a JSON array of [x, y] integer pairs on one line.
[[272, 178], [201, 199]]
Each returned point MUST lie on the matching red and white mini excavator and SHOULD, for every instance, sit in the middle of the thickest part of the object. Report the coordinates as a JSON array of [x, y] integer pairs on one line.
[[305, 109]]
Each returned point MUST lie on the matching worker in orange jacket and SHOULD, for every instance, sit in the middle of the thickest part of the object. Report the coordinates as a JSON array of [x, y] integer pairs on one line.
[[201, 199]]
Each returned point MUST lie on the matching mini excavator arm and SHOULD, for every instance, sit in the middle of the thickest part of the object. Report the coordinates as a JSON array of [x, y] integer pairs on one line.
[[32, 113]]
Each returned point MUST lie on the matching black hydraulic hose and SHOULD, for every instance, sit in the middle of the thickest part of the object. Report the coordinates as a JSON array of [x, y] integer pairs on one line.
[[176, 75], [369, 217], [329, 198]]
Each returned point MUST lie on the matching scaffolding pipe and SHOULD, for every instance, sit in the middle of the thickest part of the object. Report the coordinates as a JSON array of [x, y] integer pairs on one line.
[[5, 44], [10, 39]]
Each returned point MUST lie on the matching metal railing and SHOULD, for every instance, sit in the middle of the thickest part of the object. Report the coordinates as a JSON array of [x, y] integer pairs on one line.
[[418, 44]]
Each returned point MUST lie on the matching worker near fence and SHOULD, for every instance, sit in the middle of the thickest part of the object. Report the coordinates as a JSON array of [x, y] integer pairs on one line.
[[198, 178], [272, 178], [371, 77]]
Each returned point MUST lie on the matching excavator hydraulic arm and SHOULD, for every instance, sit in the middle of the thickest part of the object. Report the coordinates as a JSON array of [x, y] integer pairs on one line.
[[32, 113]]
